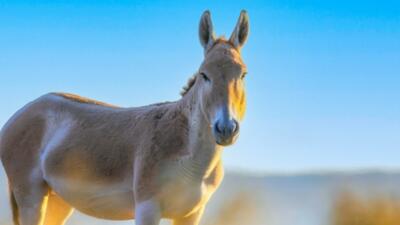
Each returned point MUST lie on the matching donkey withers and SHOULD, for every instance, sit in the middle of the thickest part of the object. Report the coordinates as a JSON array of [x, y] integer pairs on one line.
[[64, 152]]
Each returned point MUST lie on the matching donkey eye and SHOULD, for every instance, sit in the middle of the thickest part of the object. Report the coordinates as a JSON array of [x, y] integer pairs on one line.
[[243, 75], [205, 77]]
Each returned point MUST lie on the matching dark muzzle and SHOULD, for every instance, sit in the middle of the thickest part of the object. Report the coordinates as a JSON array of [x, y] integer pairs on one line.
[[226, 131]]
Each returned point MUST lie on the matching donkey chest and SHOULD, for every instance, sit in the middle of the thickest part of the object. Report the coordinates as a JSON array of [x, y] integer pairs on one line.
[[183, 194], [180, 198]]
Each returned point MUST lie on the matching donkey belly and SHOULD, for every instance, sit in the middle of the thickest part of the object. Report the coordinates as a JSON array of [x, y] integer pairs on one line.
[[95, 178], [107, 201]]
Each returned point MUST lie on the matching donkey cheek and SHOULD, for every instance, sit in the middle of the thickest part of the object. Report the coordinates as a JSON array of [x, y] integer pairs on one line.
[[237, 100], [241, 108]]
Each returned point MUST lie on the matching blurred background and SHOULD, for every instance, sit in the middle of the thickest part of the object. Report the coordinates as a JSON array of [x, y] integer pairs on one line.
[[320, 144]]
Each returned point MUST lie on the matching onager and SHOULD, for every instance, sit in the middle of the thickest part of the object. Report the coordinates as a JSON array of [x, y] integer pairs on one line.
[[63, 152]]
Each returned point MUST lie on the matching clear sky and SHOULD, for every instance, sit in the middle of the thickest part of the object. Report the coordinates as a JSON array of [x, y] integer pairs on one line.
[[323, 84]]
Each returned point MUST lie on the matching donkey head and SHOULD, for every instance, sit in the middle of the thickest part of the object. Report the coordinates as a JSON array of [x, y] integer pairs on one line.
[[221, 79]]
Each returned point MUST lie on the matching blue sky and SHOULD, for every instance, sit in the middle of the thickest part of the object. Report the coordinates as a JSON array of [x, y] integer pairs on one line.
[[323, 84]]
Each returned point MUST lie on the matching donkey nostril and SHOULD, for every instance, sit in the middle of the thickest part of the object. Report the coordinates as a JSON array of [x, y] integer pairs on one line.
[[235, 126], [218, 128]]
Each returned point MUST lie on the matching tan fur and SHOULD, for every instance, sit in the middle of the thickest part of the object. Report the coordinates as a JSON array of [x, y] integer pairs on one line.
[[63, 151]]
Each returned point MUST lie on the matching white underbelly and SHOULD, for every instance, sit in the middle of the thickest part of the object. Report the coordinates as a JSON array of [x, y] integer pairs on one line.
[[108, 201]]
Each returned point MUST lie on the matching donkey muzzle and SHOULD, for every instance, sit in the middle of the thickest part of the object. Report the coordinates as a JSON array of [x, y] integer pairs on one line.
[[225, 131]]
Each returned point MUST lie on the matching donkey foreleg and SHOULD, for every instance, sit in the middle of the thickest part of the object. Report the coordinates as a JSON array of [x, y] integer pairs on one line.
[[192, 219], [147, 213], [57, 211], [31, 201]]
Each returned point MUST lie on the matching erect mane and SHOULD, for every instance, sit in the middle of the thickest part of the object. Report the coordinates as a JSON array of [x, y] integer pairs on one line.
[[189, 84]]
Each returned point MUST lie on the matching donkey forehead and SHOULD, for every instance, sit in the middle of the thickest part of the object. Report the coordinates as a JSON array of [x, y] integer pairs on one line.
[[224, 57]]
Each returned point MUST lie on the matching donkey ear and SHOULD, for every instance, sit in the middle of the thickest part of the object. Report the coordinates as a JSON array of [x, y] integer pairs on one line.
[[206, 31], [241, 31]]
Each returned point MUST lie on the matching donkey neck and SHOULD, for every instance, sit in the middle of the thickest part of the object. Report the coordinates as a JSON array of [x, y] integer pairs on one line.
[[204, 153]]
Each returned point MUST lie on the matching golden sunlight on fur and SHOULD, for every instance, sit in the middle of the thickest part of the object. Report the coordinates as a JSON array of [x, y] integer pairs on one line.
[[237, 98]]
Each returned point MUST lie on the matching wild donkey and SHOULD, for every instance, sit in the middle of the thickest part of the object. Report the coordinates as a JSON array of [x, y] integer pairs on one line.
[[63, 151]]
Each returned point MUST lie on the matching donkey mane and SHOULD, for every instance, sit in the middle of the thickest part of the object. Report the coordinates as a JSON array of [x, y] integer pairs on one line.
[[190, 83]]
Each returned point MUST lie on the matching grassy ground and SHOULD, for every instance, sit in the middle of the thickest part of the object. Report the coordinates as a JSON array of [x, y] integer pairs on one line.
[[351, 209]]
